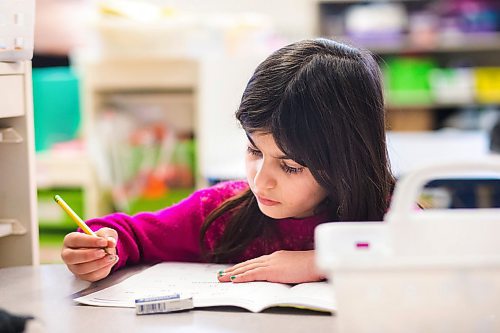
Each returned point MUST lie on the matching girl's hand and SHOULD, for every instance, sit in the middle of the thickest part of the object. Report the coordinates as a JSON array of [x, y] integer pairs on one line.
[[280, 266], [90, 258]]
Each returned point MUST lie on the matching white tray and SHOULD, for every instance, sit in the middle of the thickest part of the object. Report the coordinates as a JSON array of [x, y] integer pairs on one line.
[[419, 271]]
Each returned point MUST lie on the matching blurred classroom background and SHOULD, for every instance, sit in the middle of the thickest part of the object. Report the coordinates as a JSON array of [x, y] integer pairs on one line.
[[133, 100]]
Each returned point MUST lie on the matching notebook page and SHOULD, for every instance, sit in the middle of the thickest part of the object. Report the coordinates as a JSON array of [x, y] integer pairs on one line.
[[197, 280], [311, 295]]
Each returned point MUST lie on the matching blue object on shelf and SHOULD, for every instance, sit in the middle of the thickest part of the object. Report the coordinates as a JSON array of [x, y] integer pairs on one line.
[[56, 103]]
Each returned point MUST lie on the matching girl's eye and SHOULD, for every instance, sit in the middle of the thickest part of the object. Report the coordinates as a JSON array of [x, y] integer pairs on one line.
[[291, 170], [253, 151]]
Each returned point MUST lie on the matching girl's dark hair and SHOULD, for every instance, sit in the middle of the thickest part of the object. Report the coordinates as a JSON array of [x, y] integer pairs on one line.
[[323, 103]]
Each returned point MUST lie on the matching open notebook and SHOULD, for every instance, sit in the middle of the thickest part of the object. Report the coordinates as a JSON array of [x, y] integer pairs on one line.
[[200, 282]]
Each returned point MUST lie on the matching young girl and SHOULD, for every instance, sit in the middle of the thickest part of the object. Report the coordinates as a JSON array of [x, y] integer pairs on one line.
[[313, 113]]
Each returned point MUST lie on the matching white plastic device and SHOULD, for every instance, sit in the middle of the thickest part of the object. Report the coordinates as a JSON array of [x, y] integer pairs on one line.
[[418, 271]]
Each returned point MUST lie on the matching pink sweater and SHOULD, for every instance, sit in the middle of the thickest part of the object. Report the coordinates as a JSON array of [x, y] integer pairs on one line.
[[172, 234]]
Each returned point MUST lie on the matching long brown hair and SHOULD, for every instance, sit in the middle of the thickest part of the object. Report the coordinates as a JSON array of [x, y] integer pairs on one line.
[[323, 103]]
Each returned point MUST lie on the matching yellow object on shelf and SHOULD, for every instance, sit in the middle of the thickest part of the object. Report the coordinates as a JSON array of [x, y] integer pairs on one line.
[[488, 84]]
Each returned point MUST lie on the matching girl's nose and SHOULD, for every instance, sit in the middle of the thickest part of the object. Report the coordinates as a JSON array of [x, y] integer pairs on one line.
[[264, 178]]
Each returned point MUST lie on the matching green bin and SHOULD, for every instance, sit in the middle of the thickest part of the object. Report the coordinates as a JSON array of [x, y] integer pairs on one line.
[[56, 105], [407, 80]]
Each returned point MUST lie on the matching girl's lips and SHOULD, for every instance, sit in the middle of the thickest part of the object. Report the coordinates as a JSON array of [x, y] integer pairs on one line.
[[267, 202]]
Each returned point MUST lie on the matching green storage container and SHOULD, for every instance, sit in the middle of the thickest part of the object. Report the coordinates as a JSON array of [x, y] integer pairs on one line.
[[407, 80], [56, 105]]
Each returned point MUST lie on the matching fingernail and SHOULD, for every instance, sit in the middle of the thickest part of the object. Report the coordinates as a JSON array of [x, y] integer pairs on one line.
[[112, 257], [112, 239], [221, 273], [232, 277]]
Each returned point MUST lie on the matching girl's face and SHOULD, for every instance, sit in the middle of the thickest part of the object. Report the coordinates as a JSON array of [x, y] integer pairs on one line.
[[283, 187]]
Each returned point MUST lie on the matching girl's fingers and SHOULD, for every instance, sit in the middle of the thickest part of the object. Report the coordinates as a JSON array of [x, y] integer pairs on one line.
[[245, 263], [111, 242], [110, 235], [98, 274], [225, 276], [107, 233], [78, 240], [92, 266], [79, 256], [256, 274]]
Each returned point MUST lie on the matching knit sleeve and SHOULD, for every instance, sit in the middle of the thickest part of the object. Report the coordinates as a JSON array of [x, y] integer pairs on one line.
[[171, 234]]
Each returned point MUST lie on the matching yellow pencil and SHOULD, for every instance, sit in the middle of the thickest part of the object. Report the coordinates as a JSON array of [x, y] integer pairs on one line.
[[73, 215], [76, 218]]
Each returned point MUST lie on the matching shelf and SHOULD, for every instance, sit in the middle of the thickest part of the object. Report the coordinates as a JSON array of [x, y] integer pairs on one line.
[[141, 74], [18, 213], [72, 169], [11, 227], [5, 230], [126, 85], [9, 135], [69, 169], [12, 68], [460, 43], [11, 103]]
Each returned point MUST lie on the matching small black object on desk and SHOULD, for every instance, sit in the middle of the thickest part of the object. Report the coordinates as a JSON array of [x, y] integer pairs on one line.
[[10, 323]]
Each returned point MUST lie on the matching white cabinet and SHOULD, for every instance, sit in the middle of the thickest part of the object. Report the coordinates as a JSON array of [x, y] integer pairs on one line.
[[18, 222], [11, 104]]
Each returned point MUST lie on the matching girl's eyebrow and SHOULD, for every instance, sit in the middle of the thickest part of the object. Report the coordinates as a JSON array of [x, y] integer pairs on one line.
[[282, 157]]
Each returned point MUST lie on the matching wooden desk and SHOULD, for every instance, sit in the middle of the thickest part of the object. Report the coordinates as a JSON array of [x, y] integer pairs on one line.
[[45, 292]]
